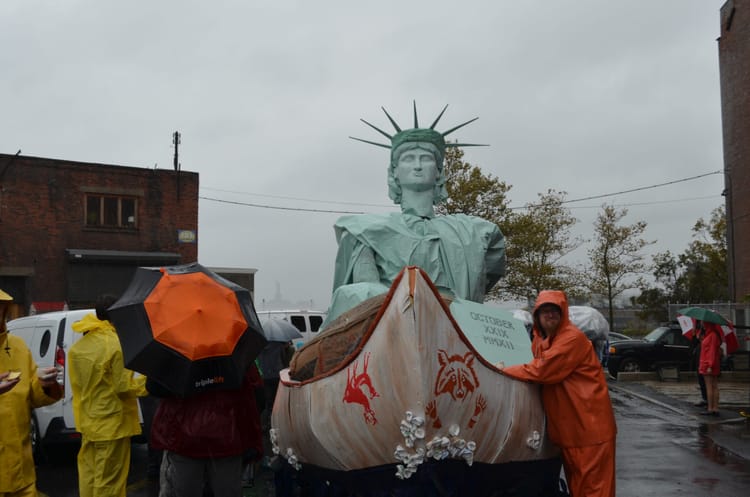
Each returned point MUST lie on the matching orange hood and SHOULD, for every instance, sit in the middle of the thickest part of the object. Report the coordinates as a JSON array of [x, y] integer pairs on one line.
[[555, 297]]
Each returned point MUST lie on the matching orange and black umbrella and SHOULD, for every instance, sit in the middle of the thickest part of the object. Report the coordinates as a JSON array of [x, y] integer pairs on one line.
[[187, 328]]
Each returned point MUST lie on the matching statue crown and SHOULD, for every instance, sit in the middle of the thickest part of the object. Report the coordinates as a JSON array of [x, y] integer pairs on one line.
[[417, 134]]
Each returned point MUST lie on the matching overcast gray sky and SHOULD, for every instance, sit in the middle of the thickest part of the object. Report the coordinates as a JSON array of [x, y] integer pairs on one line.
[[585, 96]]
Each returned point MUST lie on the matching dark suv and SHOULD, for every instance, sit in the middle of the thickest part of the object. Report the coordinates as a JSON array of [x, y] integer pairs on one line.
[[664, 346]]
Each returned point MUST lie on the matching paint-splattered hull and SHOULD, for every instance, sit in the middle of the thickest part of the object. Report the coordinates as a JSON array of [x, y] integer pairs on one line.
[[414, 391]]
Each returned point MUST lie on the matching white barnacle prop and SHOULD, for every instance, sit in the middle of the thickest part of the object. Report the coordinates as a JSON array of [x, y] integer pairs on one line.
[[439, 448], [289, 455], [535, 440], [291, 458], [274, 436], [412, 429]]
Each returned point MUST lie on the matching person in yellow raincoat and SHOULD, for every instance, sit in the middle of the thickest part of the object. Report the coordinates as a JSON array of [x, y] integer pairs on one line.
[[576, 399], [18, 396], [105, 405]]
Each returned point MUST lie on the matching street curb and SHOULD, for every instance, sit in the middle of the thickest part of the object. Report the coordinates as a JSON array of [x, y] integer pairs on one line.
[[646, 398]]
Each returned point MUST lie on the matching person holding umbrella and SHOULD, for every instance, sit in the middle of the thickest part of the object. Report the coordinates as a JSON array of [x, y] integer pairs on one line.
[[710, 365], [105, 405], [274, 357], [195, 335], [713, 335], [205, 436], [695, 353], [23, 387]]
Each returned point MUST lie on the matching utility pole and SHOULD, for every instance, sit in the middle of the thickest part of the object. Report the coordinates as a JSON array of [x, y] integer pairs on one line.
[[176, 141]]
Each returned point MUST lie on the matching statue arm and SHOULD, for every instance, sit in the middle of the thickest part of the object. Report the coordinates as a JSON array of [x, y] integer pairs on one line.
[[355, 262], [365, 269], [495, 257]]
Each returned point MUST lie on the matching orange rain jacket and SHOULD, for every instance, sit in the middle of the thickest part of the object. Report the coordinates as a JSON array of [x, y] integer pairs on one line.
[[574, 390]]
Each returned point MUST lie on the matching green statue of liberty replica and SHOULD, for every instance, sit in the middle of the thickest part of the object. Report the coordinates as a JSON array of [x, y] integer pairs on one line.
[[463, 255], [400, 395]]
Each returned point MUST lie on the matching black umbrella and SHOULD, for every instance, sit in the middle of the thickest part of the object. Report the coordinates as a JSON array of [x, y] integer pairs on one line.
[[187, 328]]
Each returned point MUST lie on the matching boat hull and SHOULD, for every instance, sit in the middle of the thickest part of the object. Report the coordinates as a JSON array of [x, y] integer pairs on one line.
[[414, 391]]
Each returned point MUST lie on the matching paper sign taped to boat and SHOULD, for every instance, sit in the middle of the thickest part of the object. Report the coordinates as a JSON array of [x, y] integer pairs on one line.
[[493, 332]]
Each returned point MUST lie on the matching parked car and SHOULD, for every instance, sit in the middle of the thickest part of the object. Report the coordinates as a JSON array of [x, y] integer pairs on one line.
[[611, 338], [663, 346]]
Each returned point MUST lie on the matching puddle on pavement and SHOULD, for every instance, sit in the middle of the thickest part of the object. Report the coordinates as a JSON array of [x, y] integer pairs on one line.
[[715, 453]]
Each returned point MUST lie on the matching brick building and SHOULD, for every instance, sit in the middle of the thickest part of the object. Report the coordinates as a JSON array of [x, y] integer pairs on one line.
[[734, 67], [70, 231]]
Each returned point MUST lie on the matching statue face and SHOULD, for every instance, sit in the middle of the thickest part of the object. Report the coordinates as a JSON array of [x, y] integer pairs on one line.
[[416, 169]]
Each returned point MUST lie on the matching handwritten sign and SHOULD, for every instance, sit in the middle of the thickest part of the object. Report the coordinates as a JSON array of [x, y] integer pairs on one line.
[[493, 332]]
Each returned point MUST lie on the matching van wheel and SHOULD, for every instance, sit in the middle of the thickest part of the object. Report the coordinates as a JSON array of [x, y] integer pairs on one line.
[[36, 441]]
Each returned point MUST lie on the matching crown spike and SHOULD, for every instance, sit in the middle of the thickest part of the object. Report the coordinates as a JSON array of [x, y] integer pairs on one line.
[[371, 143], [398, 130], [438, 117], [416, 121], [446, 133], [377, 129]]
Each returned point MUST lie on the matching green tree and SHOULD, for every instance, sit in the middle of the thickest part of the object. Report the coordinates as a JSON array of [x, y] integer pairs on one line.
[[537, 240], [616, 259], [698, 275], [704, 278], [472, 192], [654, 300]]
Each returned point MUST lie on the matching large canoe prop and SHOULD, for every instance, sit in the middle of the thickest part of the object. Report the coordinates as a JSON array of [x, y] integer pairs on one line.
[[413, 393]]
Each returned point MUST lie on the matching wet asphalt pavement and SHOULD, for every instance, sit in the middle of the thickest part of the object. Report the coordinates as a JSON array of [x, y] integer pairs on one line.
[[665, 447]]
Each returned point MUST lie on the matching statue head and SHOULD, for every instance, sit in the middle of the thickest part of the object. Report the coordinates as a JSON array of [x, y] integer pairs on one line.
[[417, 138], [439, 193]]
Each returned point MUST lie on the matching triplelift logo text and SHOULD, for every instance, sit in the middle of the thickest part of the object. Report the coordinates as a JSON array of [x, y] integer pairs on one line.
[[209, 381]]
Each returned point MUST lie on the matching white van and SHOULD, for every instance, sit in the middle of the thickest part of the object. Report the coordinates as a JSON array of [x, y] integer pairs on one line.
[[307, 322], [49, 336]]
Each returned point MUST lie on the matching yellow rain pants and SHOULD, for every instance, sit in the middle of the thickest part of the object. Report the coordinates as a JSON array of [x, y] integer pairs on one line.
[[103, 468]]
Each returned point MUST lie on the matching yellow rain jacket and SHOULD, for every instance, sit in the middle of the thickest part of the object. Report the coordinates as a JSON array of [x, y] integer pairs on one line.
[[16, 461], [105, 404]]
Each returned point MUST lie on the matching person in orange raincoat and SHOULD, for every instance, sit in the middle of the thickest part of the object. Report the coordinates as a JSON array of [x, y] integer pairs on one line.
[[576, 400]]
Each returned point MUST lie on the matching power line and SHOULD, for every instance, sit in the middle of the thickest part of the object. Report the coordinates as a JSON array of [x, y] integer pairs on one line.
[[653, 202], [276, 207], [293, 198], [641, 188], [593, 197]]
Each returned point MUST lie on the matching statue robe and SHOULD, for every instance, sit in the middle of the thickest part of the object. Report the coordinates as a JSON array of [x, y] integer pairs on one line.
[[463, 255]]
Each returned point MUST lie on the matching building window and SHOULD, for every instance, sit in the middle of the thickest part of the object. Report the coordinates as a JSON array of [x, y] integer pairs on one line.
[[111, 211]]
